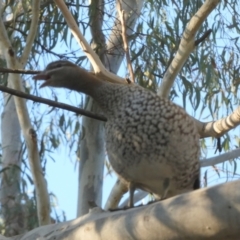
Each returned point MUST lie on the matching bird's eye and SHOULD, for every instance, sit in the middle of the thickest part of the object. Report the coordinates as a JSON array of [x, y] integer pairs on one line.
[[58, 65]]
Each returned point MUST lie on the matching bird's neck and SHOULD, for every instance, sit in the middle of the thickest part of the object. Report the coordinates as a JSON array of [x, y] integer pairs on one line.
[[86, 83]]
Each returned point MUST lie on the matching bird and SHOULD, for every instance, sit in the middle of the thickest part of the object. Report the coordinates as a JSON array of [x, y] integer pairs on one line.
[[151, 142]]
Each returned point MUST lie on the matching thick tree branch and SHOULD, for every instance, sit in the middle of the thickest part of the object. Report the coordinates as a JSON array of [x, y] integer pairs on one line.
[[219, 127], [220, 158], [97, 65], [125, 41], [32, 32], [215, 210], [96, 12], [118, 190], [186, 46]]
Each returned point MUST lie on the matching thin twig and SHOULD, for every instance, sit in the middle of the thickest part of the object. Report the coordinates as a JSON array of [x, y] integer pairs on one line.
[[21, 71], [125, 42], [203, 37], [52, 103]]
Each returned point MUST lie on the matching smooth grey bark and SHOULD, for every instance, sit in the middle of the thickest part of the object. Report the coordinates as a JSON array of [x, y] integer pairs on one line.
[[92, 150], [10, 200], [91, 164], [209, 213], [11, 169]]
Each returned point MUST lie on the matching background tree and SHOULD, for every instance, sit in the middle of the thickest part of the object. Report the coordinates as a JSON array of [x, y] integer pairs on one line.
[[162, 36]]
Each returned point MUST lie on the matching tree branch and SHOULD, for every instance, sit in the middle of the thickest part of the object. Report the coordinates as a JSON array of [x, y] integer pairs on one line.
[[96, 12], [219, 127], [125, 41], [97, 65], [118, 190], [186, 46], [215, 210], [220, 158], [31, 33], [19, 71], [52, 103]]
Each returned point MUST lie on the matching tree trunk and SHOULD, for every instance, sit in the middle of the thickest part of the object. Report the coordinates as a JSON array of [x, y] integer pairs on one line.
[[91, 165], [10, 197]]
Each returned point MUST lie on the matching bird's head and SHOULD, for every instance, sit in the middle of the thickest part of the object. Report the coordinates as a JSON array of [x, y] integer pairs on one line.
[[60, 74]]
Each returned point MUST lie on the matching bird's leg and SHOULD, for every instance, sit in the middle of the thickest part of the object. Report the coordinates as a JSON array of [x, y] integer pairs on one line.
[[196, 184], [132, 189], [166, 184]]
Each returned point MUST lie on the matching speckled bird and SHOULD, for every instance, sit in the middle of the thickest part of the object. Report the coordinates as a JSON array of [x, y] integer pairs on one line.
[[152, 143]]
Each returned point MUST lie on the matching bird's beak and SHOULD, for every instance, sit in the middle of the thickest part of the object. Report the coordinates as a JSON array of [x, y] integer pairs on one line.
[[42, 76]]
